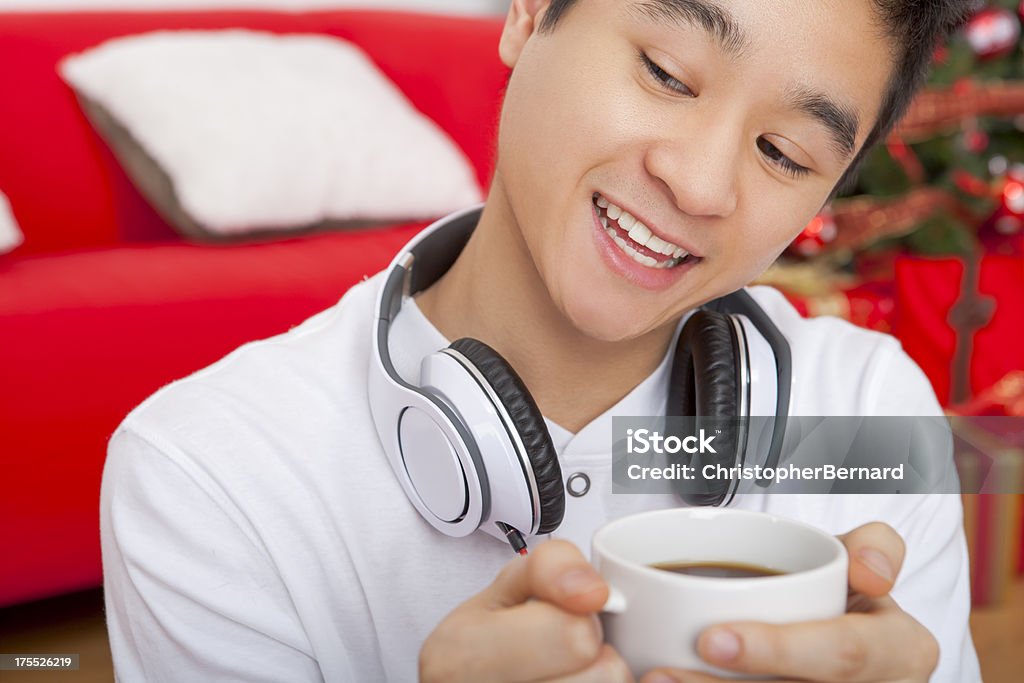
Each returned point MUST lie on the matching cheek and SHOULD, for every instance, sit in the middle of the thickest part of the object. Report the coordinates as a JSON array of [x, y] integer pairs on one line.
[[567, 110], [533, 137], [769, 230]]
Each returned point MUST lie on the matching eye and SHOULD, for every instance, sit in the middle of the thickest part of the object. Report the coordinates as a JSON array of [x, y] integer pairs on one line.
[[664, 79], [775, 155]]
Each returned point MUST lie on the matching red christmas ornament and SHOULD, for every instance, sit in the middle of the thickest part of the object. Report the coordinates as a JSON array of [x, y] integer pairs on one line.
[[975, 141], [1003, 232], [1013, 197], [1011, 220], [992, 32], [812, 240]]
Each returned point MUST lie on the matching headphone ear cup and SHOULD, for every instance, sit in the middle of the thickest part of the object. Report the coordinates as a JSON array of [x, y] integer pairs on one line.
[[704, 384], [528, 421], [704, 381]]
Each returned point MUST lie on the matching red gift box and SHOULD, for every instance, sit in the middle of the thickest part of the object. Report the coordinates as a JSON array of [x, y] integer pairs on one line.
[[926, 291], [1004, 398], [989, 464], [869, 304]]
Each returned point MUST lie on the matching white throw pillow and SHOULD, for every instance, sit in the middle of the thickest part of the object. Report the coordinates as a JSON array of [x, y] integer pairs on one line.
[[10, 235], [257, 131]]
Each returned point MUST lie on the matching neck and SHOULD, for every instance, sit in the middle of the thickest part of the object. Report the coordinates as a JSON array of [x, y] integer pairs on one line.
[[494, 293]]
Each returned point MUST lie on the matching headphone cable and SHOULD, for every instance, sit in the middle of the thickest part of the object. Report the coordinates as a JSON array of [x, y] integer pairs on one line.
[[515, 539]]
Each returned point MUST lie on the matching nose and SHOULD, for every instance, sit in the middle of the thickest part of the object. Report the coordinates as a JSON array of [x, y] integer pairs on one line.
[[698, 168]]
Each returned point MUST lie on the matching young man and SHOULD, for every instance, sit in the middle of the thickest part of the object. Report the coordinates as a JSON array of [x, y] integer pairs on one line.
[[252, 527]]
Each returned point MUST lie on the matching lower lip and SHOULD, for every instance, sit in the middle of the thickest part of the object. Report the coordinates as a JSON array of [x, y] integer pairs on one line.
[[652, 279]]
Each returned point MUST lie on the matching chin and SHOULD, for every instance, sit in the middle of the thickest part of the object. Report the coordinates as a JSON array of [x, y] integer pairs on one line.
[[599, 319]]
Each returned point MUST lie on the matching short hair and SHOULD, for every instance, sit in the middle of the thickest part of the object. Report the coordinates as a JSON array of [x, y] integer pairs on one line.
[[916, 28]]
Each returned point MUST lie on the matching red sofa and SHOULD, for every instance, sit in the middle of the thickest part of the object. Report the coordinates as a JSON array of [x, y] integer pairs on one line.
[[103, 303]]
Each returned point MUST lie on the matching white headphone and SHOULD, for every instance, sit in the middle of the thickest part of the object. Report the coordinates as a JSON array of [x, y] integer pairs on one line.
[[467, 441]]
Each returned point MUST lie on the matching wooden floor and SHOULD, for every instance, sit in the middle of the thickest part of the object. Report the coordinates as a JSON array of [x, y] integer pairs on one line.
[[999, 638], [71, 624], [74, 624]]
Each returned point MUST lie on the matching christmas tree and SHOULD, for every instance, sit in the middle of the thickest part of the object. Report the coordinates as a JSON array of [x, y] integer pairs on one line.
[[948, 182], [950, 178]]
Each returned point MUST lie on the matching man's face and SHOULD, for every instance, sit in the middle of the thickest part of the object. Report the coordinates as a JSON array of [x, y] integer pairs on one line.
[[721, 127]]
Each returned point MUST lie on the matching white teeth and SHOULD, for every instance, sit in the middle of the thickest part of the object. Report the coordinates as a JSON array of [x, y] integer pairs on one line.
[[630, 251], [666, 248], [639, 234], [625, 246], [630, 223]]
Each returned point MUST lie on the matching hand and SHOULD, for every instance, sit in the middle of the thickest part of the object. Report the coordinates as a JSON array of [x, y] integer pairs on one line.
[[874, 641], [536, 622]]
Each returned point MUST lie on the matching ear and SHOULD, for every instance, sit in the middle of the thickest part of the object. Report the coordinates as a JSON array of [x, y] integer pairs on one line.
[[521, 23]]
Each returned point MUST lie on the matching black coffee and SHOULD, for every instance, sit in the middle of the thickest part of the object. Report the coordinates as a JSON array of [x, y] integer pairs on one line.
[[718, 570]]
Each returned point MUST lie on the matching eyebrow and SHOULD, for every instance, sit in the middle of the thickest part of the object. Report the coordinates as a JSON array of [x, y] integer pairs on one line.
[[840, 120], [712, 18]]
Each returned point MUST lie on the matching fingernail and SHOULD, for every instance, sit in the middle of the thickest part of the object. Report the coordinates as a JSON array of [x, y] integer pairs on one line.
[[722, 645], [577, 582], [659, 677], [877, 562]]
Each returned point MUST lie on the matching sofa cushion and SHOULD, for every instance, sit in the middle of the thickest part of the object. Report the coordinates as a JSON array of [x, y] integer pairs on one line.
[[237, 131], [68, 191]]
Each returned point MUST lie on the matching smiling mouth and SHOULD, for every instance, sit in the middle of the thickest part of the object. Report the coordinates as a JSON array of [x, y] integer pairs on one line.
[[636, 240]]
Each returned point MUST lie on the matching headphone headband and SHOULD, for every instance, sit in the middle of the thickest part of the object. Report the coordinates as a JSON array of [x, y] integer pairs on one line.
[[432, 251]]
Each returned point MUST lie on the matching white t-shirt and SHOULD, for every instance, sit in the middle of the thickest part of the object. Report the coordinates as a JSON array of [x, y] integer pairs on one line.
[[252, 529]]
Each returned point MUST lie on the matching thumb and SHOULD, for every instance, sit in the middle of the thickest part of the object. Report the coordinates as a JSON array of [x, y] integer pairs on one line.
[[555, 572], [876, 556]]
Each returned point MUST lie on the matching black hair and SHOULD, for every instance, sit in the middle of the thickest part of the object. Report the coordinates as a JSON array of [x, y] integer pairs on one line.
[[916, 28]]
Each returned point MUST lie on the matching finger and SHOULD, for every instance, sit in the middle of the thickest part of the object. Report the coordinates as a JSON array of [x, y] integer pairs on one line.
[[609, 667], [885, 645], [526, 642], [556, 572], [876, 555], [537, 640], [680, 676]]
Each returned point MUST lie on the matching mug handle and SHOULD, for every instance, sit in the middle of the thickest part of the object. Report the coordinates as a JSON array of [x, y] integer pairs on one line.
[[616, 603]]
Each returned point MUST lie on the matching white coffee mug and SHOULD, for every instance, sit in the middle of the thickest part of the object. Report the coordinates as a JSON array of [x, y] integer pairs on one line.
[[653, 617]]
